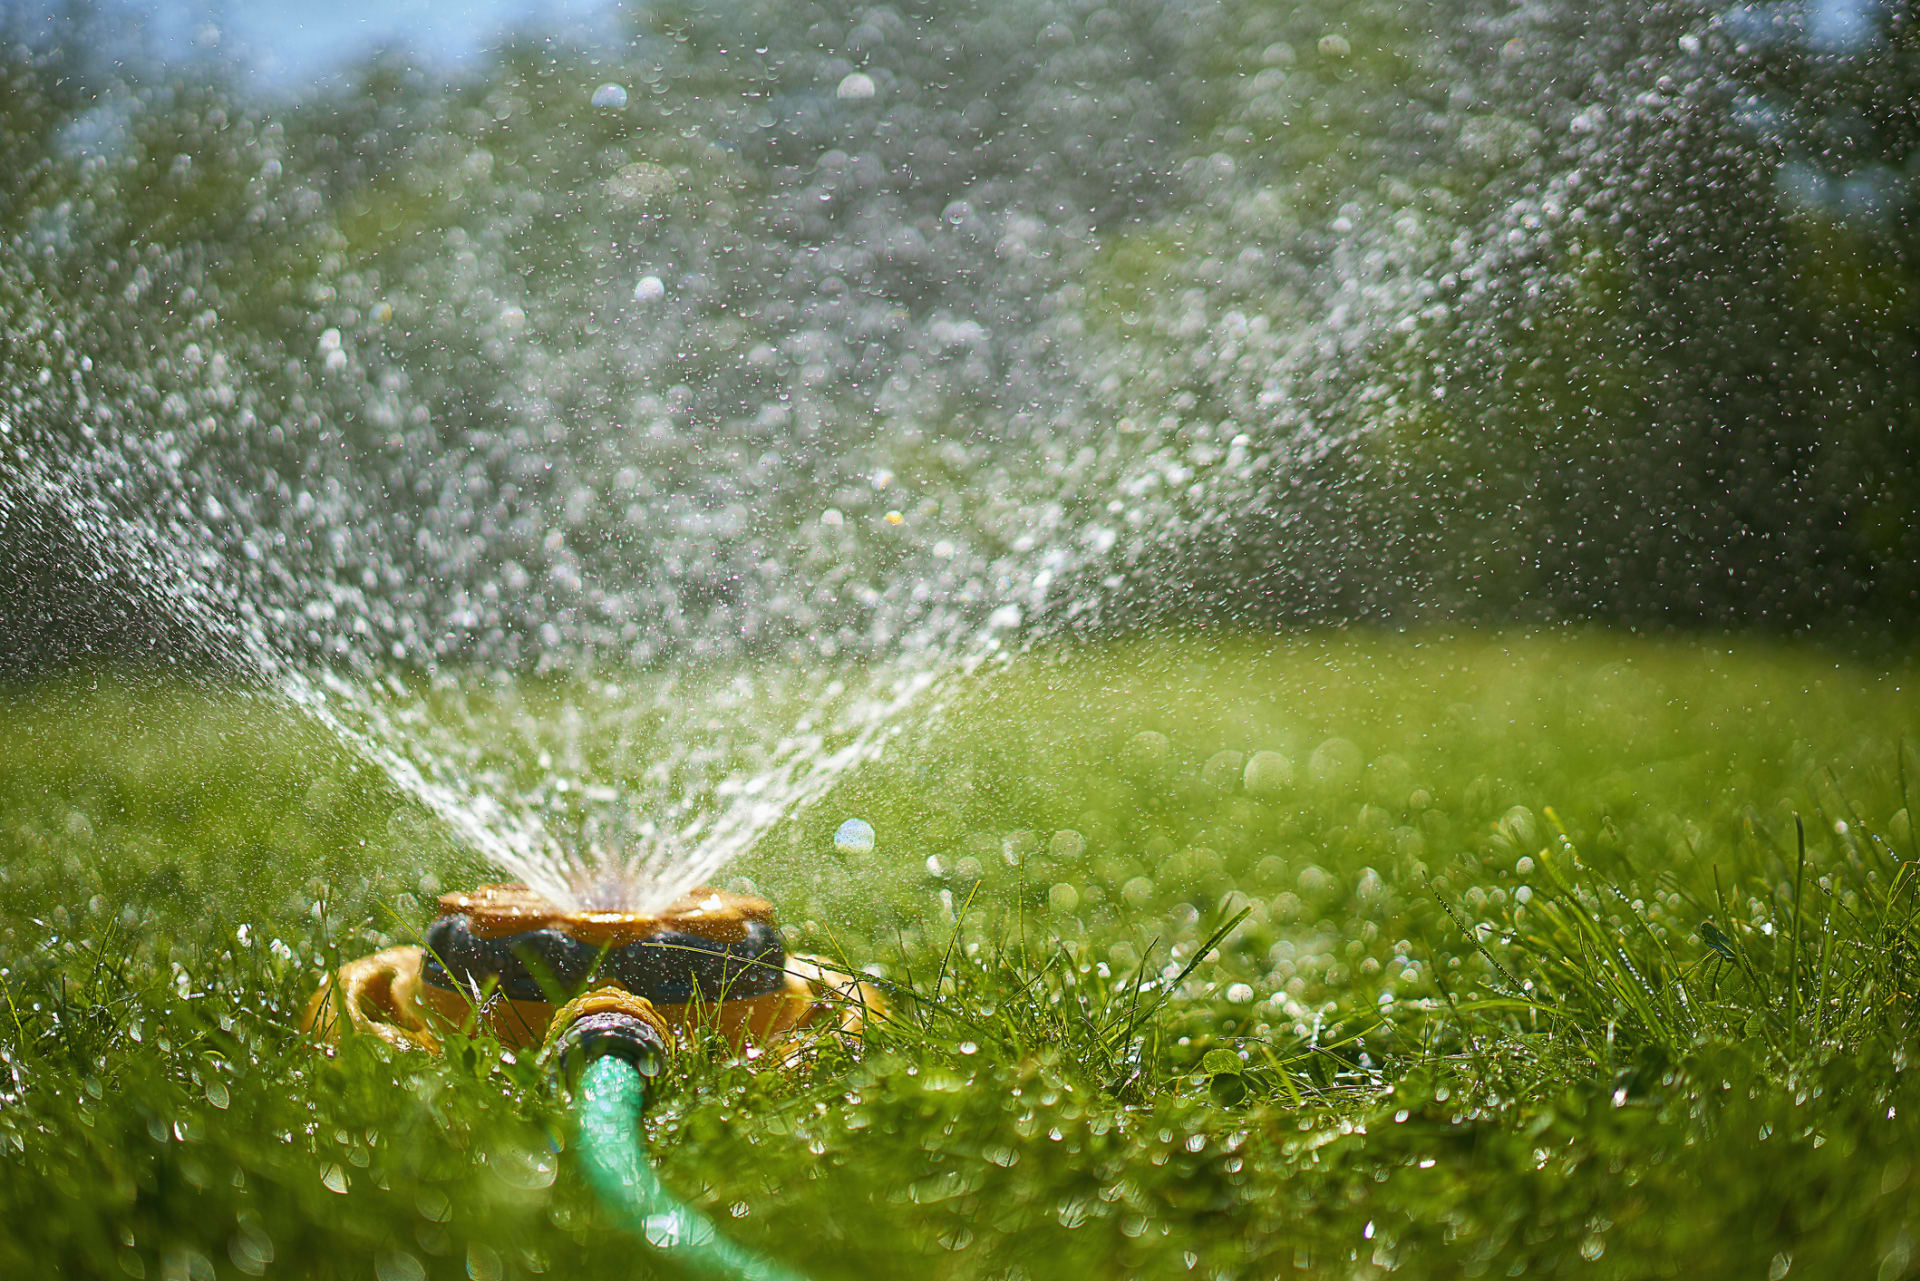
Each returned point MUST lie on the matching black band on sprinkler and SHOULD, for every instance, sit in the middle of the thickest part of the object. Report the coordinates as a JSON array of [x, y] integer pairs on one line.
[[668, 968]]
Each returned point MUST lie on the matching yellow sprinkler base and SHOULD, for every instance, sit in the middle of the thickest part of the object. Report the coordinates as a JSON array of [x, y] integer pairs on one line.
[[712, 962]]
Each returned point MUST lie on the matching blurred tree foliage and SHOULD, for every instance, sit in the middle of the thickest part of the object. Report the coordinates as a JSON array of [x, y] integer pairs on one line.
[[1658, 350], [1589, 311], [1698, 399]]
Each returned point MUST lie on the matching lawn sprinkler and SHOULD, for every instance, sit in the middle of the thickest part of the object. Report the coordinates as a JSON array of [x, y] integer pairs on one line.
[[505, 961], [608, 996]]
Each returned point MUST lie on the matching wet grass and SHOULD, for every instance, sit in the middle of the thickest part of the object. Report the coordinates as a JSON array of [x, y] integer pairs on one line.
[[1573, 955]]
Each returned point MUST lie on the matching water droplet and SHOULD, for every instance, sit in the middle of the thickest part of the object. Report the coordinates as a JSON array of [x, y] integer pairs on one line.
[[1335, 763], [398, 1265], [1149, 750], [611, 96], [855, 836], [855, 87], [484, 1263], [1267, 774], [1223, 769]]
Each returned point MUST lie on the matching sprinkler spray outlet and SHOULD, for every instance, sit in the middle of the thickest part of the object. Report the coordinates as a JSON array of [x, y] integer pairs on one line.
[[504, 960]]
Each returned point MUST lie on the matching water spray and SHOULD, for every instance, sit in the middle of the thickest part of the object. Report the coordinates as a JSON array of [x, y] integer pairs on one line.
[[608, 996]]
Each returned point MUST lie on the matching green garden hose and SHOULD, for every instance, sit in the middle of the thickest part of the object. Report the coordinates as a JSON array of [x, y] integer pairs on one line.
[[608, 1101]]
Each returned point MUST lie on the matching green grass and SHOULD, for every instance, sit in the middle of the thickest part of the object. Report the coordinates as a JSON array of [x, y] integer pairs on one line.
[[1534, 977]]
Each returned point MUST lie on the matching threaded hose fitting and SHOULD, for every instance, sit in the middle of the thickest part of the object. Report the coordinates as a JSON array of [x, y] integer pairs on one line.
[[607, 1022]]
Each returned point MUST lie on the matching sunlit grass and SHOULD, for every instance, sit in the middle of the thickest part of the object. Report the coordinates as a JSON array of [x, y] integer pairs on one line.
[[1563, 953]]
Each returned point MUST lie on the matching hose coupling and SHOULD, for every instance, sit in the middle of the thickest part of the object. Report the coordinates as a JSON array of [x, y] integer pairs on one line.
[[608, 1021]]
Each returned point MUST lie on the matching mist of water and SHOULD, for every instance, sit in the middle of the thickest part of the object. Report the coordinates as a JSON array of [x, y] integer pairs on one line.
[[818, 358]]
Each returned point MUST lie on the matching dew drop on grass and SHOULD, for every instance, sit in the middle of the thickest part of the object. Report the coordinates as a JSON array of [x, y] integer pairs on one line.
[[525, 1171], [1335, 763], [483, 1263], [251, 1249], [611, 96], [398, 1265], [1520, 826], [856, 87], [855, 836], [1267, 774], [1148, 750], [1223, 769], [1219, 1061], [335, 1178]]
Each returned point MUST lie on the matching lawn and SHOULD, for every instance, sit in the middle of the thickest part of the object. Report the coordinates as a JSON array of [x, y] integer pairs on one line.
[[1576, 954]]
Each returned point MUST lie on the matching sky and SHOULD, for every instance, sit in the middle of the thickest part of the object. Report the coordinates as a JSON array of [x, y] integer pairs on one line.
[[288, 46]]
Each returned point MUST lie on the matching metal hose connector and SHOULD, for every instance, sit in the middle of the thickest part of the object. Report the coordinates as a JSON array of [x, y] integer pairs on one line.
[[611, 1021]]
